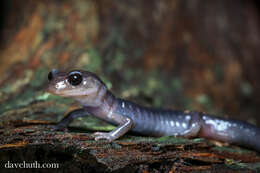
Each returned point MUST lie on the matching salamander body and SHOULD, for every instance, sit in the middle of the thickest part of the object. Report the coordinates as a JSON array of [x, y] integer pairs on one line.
[[98, 101]]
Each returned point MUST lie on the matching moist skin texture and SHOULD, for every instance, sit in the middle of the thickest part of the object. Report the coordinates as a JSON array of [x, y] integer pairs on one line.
[[98, 101]]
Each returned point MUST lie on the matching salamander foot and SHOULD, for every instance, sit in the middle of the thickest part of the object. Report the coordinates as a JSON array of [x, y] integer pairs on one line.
[[103, 135]]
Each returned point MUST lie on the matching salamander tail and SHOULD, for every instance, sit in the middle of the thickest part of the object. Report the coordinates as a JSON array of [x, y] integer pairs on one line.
[[231, 131]]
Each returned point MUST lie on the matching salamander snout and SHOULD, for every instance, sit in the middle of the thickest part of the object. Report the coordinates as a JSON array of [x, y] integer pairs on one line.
[[57, 82]]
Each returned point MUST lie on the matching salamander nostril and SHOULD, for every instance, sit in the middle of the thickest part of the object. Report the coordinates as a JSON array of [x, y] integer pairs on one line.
[[50, 76]]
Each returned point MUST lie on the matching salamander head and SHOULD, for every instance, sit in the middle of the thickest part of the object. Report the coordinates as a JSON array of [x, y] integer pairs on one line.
[[81, 85]]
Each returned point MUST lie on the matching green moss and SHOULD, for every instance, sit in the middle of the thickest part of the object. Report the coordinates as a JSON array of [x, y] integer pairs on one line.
[[19, 101], [39, 78], [51, 97], [219, 72], [94, 62], [246, 89], [16, 85], [160, 140], [92, 123], [117, 62], [176, 84], [205, 100], [55, 109], [230, 149], [173, 140], [239, 165]]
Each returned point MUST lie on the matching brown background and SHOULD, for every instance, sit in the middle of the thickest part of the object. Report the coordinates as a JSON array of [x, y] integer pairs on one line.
[[201, 55]]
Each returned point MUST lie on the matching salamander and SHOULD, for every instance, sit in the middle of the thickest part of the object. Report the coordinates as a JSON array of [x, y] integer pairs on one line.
[[96, 100]]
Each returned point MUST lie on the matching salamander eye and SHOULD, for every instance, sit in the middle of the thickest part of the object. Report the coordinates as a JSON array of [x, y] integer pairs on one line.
[[75, 78]]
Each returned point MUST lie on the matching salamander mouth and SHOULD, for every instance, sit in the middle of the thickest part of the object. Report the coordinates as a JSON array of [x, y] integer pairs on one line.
[[53, 91], [50, 89], [71, 92]]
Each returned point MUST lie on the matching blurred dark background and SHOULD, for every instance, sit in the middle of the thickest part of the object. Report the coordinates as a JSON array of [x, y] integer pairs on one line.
[[180, 54]]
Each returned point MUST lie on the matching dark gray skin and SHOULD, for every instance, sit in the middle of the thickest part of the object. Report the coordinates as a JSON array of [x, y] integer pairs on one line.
[[98, 101]]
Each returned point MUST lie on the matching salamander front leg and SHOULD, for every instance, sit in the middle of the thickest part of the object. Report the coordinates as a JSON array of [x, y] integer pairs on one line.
[[69, 118], [123, 128]]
